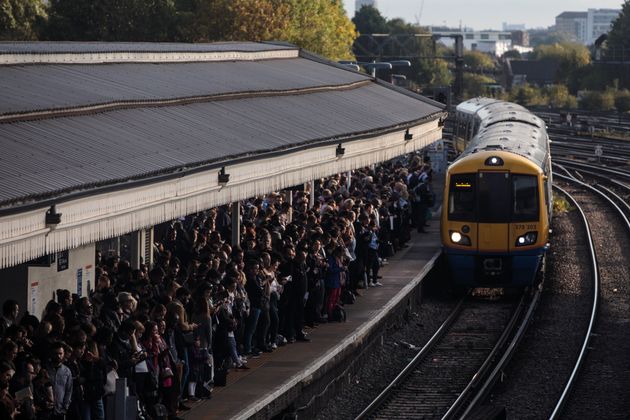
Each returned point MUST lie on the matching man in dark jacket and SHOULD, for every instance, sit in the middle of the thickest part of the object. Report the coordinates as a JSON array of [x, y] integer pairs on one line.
[[254, 288], [294, 268]]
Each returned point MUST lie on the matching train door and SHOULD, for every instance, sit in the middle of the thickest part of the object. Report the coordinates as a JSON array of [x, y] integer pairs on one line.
[[493, 209]]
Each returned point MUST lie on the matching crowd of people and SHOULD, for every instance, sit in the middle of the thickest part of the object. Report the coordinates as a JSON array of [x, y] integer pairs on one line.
[[175, 329]]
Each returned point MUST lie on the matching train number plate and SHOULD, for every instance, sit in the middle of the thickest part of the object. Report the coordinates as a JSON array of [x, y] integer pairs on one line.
[[493, 266]]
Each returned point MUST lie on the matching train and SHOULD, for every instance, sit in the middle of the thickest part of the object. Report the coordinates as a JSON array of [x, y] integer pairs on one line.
[[497, 204]]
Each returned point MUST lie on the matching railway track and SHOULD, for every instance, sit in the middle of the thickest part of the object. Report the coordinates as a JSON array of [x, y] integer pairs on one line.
[[452, 373], [595, 387]]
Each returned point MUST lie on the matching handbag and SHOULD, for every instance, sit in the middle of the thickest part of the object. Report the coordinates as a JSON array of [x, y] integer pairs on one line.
[[110, 384]]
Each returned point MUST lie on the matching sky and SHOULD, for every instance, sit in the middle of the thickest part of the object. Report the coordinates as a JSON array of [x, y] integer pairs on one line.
[[483, 14]]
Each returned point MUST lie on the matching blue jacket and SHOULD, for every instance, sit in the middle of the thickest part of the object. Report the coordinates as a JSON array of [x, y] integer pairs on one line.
[[333, 273], [61, 379]]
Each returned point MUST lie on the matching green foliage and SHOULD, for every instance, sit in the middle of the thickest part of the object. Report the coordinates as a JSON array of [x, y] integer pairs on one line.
[[528, 95], [619, 35], [432, 73], [321, 26], [598, 101], [476, 84], [558, 96], [561, 204], [399, 26], [544, 37], [21, 20], [571, 57], [622, 101], [478, 61], [111, 20], [369, 20], [512, 54]]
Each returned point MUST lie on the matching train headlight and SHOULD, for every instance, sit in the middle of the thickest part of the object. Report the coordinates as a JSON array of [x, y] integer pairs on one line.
[[494, 161], [458, 238], [528, 239]]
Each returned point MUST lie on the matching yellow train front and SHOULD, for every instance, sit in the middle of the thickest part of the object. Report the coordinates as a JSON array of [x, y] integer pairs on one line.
[[497, 204]]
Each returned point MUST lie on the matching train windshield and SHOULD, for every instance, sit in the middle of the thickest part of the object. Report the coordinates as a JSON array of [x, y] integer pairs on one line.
[[493, 197], [525, 198], [461, 197]]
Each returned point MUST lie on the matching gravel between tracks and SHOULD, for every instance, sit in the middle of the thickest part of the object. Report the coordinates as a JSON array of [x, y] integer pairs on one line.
[[603, 386], [538, 371], [385, 361]]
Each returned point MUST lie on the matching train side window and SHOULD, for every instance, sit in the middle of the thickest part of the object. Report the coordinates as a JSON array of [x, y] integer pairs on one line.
[[526, 208], [461, 197]]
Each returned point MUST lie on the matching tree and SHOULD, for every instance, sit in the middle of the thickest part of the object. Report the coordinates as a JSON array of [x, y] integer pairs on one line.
[[619, 35], [570, 56], [528, 95], [21, 20], [368, 20], [476, 84], [598, 101], [622, 101], [559, 97], [111, 20], [478, 61], [251, 20], [320, 26], [512, 54]]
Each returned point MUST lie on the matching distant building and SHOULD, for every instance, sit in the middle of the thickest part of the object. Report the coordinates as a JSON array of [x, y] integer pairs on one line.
[[358, 4], [520, 38], [599, 22], [572, 25], [586, 27], [535, 72], [513, 26], [491, 42]]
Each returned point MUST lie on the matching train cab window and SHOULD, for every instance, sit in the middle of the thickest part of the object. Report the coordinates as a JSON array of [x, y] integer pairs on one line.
[[461, 197], [525, 198], [494, 197]]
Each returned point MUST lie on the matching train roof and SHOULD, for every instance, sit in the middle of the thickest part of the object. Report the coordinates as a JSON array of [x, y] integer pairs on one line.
[[512, 115], [516, 137], [499, 107], [473, 105]]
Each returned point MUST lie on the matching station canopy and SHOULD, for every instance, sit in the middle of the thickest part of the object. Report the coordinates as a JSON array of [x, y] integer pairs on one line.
[[109, 138]]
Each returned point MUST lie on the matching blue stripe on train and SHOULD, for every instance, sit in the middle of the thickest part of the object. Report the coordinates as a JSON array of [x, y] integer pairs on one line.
[[465, 272]]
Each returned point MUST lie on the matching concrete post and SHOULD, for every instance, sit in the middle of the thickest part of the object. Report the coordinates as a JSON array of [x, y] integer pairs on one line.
[[149, 239], [236, 223], [348, 180], [311, 199], [288, 197], [136, 248]]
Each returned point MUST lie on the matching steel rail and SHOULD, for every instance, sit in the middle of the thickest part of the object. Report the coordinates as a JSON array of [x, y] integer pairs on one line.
[[507, 356], [589, 332], [568, 162], [481, 373], [375, 404]]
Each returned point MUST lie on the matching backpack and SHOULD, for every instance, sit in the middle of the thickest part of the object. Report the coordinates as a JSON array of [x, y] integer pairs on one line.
[[347, 297], [338, 314]]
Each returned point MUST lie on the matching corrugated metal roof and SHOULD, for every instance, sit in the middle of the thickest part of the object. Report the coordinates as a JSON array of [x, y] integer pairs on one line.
[[39, 87], [87, 47], [282, 102], [47, 156]]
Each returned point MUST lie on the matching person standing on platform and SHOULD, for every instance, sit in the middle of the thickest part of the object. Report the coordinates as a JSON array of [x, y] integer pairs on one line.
[[334, 279], [61, 379]]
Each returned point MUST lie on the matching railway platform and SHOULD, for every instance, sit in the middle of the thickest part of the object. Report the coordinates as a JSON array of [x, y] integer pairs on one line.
[[276, 379]]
